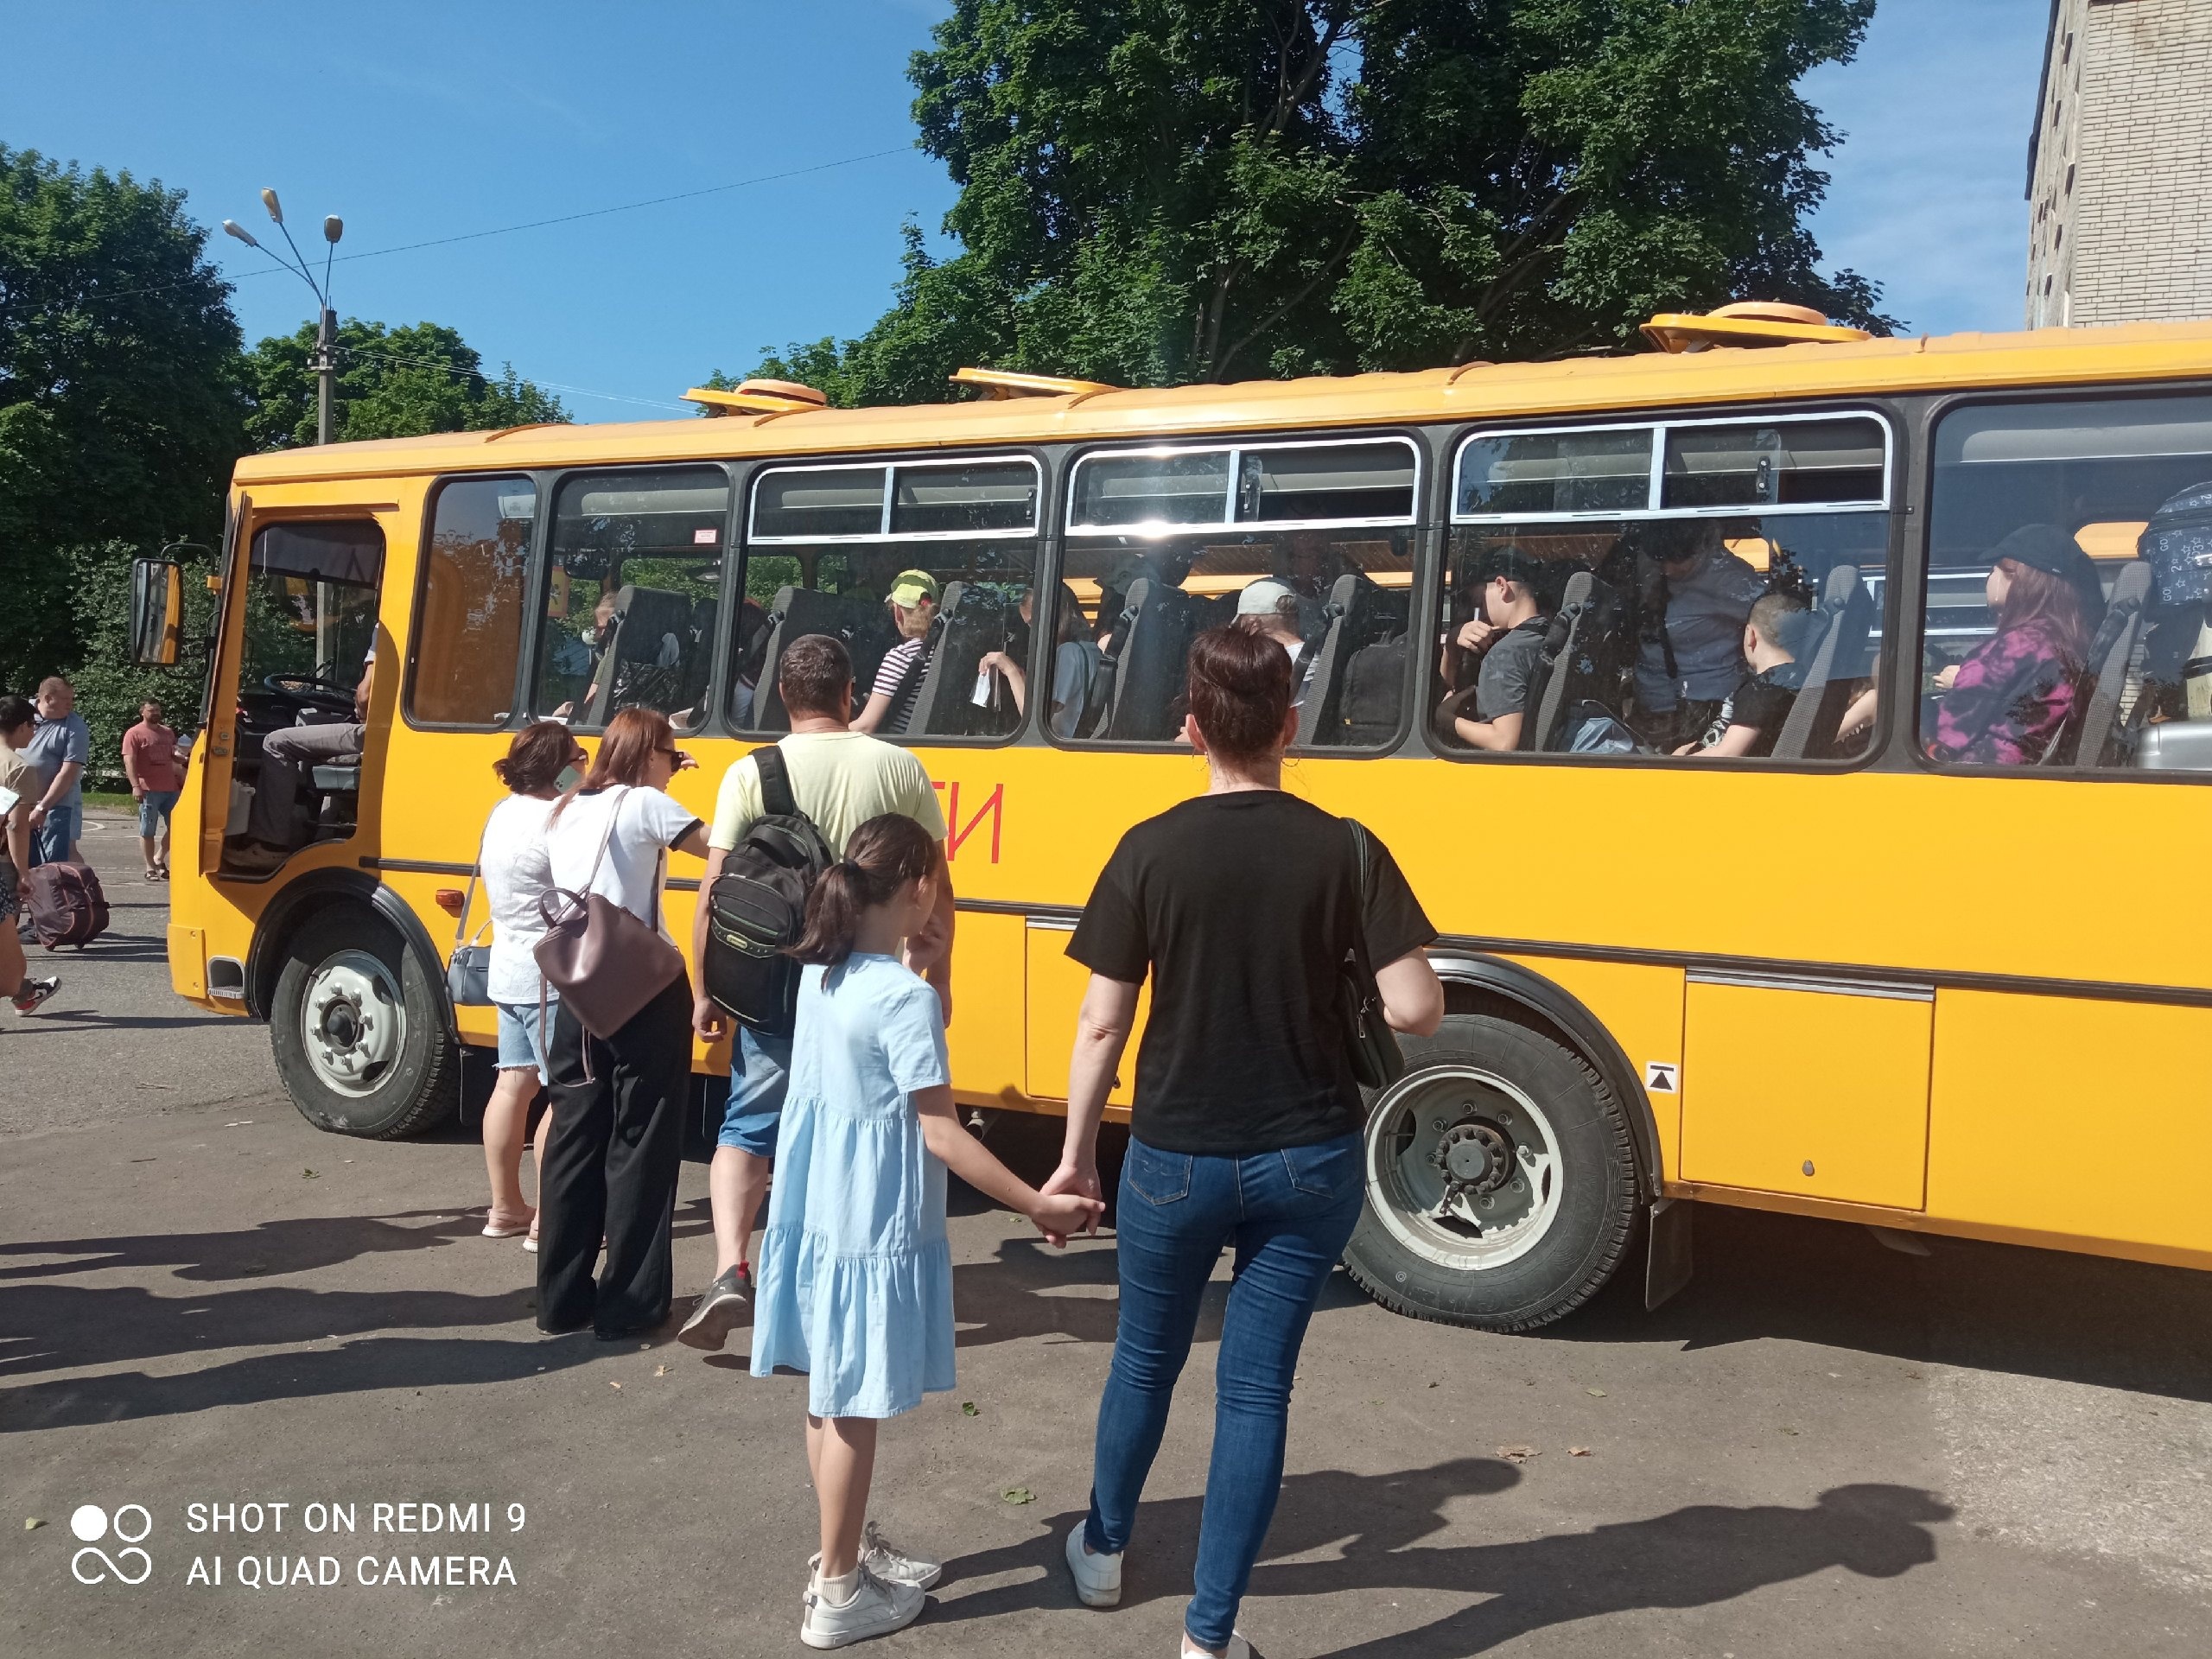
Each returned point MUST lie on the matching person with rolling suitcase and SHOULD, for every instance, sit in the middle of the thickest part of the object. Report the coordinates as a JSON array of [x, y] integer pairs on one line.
[[19, 790]]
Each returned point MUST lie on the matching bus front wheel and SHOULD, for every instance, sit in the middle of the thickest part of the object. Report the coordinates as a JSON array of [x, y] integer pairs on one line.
[[360, 1031], [1501, 1180]]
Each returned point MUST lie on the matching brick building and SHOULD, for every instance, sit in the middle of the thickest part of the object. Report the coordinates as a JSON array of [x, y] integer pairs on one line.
[[2120, 165]]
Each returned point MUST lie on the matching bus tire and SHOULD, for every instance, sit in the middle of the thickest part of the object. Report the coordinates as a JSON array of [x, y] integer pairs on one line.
[[1501, 1180], [358, 1022]]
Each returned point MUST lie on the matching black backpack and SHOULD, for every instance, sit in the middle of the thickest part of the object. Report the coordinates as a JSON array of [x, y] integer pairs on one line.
[[757, 908]]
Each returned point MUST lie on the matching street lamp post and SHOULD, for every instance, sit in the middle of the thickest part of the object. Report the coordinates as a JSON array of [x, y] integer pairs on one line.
[[324, 361]]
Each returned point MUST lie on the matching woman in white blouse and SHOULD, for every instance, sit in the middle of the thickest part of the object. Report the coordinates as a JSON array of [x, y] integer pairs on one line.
[[515, 871], [611, 1160]]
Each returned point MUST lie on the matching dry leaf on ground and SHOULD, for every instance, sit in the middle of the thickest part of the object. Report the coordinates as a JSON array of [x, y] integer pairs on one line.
[[1519, 1453], [1578, 1450]]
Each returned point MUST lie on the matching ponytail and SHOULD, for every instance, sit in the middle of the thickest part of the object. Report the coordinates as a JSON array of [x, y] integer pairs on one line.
[[884, 855]]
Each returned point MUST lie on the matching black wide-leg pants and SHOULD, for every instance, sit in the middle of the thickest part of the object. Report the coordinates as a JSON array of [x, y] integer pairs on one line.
[[611, 1165]]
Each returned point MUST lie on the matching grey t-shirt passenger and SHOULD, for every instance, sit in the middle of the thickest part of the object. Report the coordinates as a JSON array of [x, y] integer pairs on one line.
[[1706, 612], [1510, 668]]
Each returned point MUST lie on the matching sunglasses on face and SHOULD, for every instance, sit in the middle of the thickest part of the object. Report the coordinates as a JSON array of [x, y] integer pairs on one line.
[[677, 759]]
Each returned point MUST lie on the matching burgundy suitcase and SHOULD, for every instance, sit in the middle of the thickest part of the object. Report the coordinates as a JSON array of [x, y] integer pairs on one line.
[[65, 905]]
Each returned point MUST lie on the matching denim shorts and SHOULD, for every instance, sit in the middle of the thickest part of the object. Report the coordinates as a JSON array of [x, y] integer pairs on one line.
[[761, 1069], [154, 808], [522, 1040]]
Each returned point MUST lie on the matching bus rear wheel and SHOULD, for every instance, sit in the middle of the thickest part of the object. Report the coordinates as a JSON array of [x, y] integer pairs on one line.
[[1501, 1180], [357, 1024]]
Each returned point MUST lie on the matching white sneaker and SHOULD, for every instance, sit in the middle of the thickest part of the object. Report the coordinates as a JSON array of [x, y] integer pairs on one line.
[[889, 1563], [1238, 1648], [1097, 1577], [876, 1609]]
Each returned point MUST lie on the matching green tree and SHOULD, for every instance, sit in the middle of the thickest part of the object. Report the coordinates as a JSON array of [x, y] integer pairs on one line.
[[391, 382], [1160, 191], [119, 405]]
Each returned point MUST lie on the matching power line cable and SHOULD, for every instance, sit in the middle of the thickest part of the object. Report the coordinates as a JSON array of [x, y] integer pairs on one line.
[[530, 224], [452, 368]]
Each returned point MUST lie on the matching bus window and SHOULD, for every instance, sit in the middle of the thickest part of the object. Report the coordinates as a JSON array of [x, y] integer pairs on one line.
[[630, 609], [830, 548], [2070, 571], [466, 640], [1709, 589], [1309, 543], [310, 621]]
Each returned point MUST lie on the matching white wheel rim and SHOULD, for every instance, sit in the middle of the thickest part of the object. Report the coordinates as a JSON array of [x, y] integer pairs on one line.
[[352, 1023], [1444, 1122]]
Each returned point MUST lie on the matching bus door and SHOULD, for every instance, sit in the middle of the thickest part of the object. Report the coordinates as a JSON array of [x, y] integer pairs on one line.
[[305, 630], [1811, 1086]]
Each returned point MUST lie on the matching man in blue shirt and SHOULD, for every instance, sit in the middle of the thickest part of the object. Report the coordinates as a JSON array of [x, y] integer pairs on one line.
[[59, 746]]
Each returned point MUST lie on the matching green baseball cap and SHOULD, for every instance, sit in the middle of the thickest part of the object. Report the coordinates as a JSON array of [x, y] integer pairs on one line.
[[910, 588]]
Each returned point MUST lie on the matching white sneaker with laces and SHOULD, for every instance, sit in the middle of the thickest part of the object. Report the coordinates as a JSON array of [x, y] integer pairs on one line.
[[876, 1609], [1097, 1577], [889, 1563]]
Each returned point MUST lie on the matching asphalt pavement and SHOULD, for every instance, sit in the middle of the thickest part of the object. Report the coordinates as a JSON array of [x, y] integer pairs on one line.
[[1820, 1447]]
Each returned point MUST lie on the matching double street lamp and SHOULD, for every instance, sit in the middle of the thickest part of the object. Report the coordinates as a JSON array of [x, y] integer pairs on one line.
[[324, 360]]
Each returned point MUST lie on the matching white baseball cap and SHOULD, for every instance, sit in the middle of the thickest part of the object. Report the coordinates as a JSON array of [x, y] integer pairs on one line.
[[1263, 598]]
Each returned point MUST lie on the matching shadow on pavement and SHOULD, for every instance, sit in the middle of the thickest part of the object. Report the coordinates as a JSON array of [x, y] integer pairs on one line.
[[53, 1328], [301, 1244], [358, 1367], [1690, 1557], [1996, 1307]]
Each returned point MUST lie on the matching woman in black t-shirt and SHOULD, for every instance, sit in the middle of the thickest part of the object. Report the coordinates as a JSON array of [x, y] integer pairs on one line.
[[1241, 905]]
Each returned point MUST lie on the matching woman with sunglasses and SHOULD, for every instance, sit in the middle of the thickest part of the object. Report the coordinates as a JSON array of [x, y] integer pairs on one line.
[[611, 1162]]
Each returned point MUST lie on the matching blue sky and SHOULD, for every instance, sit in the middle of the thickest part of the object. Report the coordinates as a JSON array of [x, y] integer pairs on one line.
[[416, 121]]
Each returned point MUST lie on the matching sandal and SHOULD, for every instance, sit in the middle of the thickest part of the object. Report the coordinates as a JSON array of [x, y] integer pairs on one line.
[[497, 1226], [154, 874]]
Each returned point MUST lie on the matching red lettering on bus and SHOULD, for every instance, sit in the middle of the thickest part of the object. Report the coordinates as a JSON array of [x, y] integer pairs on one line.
[[958, 833]]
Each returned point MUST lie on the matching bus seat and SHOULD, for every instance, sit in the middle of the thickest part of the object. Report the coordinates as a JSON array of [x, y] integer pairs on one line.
[[336, 780], [1582, 649], [971, 622], [632, 672], [1358, 614], [2105, 677], [1846, 614], [860, 623], [1148, 681]]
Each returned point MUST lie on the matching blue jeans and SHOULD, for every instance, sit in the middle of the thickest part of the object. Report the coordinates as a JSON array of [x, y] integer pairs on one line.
[[51, 840], [1289, 1214], [759, 1071]]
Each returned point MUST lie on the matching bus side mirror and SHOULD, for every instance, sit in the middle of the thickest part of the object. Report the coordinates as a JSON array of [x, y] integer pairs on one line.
[[156, 612]]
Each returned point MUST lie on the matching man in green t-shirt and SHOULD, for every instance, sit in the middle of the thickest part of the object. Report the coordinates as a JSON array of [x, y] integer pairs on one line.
[[840, 778]]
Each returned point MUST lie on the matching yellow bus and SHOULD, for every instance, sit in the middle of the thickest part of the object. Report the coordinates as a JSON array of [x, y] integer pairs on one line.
[[1876, 973]]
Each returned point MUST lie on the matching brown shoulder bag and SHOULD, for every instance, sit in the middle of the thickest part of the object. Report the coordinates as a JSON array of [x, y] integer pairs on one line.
[[605, 962]]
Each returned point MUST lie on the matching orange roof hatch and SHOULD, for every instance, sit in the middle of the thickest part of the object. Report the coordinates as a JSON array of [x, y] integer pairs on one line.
[[1747, 322], [1000, 383], [759, 398]]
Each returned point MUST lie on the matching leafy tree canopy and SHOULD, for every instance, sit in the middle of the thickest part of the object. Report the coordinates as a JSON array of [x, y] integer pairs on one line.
[[391, 382], [119, 412], [1154, 191]]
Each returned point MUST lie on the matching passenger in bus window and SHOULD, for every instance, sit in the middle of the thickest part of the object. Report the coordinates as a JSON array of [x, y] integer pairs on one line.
[[2012, 697], [1272, 610], [1696, 596], [1752, 717], [1075, 663], [1507, 638], [898, 678], [589, 650]]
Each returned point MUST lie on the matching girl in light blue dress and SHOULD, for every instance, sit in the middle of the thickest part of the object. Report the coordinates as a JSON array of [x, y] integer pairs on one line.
[[855, 1281]]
